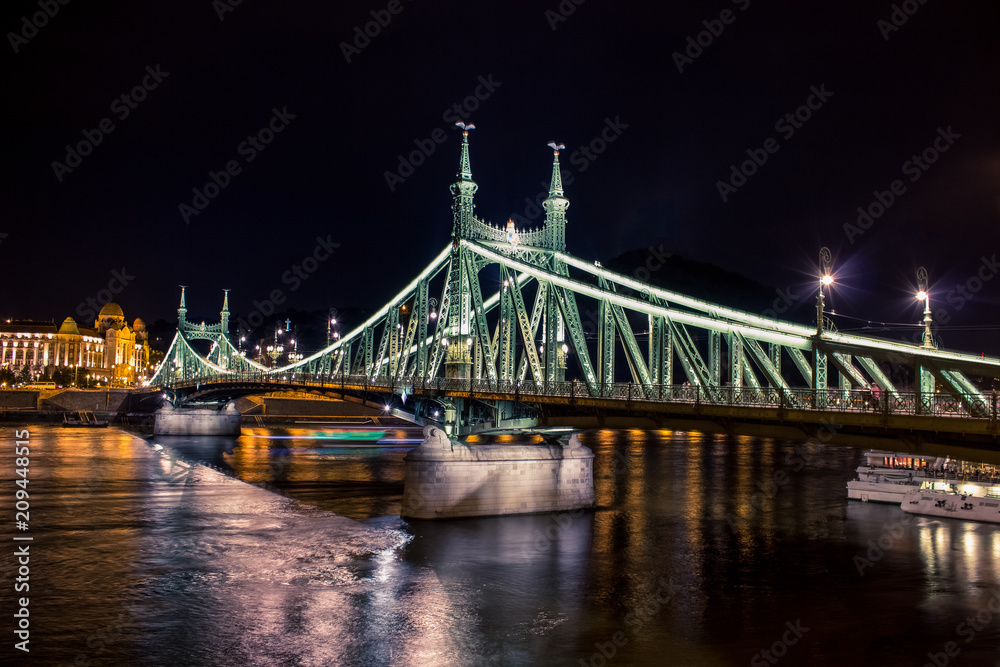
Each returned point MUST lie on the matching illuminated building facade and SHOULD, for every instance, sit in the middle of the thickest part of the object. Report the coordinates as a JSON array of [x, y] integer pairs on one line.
[[110, 349]]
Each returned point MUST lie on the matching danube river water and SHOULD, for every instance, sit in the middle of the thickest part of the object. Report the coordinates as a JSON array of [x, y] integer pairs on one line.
[[281, 548]]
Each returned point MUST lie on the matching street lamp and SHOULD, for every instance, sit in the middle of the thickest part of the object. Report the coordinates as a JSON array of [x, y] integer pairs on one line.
[[825, 279], [924, 295], [274, 351], [331, 324]]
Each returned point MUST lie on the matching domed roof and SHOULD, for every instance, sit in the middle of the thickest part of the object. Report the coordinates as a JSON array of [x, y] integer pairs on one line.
[[138, 325], [69, 327], [111, 309]]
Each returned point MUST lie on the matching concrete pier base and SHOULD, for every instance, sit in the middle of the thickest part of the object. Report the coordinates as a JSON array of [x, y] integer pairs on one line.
[[446, 479], [196, 421]]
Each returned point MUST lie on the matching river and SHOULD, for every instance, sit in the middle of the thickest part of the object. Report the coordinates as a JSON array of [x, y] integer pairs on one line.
[[282, 548]]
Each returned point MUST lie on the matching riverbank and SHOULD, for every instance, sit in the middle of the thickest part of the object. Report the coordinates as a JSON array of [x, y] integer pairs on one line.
[[130, 407]]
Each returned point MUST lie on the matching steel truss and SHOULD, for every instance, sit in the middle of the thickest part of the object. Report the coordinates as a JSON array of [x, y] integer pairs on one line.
[[481, 329]]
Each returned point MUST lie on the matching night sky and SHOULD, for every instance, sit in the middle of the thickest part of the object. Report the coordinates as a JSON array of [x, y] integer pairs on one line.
[[868, 87]]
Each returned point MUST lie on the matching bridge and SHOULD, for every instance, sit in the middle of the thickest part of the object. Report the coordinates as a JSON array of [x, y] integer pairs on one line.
[[516, 313]]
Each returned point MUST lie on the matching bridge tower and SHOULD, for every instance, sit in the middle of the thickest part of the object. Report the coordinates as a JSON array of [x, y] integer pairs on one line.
[[182, 361], [555, 206], [458, 360]]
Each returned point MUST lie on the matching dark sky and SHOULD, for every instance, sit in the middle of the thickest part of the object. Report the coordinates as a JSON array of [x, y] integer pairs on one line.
[[887, 93]]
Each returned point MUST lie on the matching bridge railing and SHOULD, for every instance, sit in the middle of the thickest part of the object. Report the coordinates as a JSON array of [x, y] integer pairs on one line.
[[966, 406]]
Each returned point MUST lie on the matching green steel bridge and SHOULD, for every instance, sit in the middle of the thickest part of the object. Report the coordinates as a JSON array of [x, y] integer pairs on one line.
[[493, 350]]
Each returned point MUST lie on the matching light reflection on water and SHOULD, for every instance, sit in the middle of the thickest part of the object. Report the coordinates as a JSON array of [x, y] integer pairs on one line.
[[700, 550]]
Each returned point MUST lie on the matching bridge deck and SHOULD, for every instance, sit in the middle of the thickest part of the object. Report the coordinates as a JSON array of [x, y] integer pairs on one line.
[[841, 415]]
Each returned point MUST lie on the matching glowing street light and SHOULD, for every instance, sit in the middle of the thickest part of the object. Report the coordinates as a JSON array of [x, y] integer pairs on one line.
[[924, 296], [825, 279], [331, 327]]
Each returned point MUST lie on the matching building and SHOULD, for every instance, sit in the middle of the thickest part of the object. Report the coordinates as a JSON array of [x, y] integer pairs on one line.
[[111, 350]]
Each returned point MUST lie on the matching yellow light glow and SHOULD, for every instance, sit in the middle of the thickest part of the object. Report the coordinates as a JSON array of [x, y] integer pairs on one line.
[[827, 279], [921, 295]]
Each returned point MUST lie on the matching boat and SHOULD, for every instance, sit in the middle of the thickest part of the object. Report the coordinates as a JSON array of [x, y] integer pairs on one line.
[[886, 477], [957, 503], [83, 419]]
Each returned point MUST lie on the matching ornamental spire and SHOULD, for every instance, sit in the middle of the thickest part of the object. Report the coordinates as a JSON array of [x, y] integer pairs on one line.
[[181, 309], [464, 165], [224, 315], [556, 204], [556, 187], [463, 189]]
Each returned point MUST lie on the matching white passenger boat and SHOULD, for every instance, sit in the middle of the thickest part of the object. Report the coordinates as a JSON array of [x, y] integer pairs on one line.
[[957, 503], [886, 477]]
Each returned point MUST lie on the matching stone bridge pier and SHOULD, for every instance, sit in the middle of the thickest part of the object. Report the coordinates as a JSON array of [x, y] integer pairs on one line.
[[447, 478]]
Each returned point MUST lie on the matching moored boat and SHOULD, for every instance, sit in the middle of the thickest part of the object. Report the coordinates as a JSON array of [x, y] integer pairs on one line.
[[886, 477], [955, 504], [83, 419]]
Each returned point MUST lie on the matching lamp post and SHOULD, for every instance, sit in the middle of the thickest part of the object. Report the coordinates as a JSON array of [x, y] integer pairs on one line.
[[924, 295], [274, 351], [825, 278], [331, 327], [926, 376], [294, 355]]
